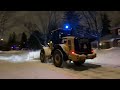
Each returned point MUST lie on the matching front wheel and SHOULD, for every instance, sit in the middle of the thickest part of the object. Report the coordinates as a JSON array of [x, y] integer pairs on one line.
[[58, 58], [79, 63]]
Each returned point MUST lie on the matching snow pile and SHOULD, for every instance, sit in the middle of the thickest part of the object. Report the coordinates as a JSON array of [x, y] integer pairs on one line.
[[33, 55], [22, 57], [107, 57], [14, 58]]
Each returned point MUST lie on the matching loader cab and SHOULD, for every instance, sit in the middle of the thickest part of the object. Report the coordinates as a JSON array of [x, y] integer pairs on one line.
[[77, 45], [82, 46]]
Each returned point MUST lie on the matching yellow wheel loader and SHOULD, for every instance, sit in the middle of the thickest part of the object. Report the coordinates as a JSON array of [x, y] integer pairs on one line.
[[71, 48]]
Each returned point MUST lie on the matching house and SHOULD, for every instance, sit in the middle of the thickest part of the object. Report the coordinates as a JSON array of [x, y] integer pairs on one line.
[[111, 40], [116, 35]]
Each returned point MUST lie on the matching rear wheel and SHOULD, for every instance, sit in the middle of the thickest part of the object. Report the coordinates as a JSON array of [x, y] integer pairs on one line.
[[42, 56], [79, 63], [58, 58]]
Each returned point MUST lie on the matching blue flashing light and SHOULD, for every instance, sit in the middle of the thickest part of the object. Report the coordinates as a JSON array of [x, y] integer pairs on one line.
[[66, 27]]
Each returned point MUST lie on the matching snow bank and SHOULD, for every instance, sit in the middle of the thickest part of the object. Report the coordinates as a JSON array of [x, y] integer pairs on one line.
[[21, 57], [34, 55]]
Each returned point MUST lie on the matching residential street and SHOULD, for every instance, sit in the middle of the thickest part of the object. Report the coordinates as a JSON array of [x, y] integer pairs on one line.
[[25, 65], [38, 70]]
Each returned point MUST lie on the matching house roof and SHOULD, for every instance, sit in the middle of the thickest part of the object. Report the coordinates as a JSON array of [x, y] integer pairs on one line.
[[107, 37], [116, 27], [110, 37]]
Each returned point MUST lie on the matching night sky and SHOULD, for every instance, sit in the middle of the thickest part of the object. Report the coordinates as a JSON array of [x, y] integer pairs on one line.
[[15, 22]]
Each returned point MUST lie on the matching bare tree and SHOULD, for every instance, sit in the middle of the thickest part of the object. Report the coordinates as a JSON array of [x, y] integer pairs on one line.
[[87, 19], [4, 19], [49, 20], [93, 21], [31, 28], [93, 15], [52, 23]]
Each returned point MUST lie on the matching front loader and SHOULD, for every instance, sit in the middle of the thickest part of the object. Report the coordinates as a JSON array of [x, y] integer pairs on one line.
[[70, 48]]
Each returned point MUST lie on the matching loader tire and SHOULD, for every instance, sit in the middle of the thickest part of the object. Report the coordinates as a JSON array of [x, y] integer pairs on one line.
[[58, 58]]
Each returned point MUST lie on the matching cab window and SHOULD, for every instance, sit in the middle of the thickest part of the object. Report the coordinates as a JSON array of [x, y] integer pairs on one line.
[[64, 41]]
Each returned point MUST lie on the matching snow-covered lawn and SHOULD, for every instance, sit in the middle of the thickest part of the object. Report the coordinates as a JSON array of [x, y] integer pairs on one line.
[[107, 56]]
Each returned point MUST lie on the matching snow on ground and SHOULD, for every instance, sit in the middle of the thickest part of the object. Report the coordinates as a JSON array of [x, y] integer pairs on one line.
[[107, 57], [104, 56], [19, 56], [34, 54], [0, 51]]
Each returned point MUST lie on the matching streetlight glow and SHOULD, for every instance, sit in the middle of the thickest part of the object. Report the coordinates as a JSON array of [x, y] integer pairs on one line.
[[100, 44], [1, 39]]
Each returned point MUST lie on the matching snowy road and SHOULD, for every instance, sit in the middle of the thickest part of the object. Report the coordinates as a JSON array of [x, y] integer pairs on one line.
[[23, 65], [38, 70]]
